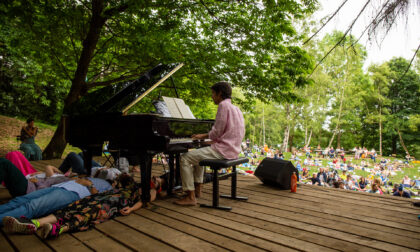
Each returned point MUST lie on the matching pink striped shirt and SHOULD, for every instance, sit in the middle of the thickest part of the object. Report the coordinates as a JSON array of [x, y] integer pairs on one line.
[[228, 130]]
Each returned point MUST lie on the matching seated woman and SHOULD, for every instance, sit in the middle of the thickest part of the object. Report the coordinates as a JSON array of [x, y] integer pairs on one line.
[[362, 184], [406, 182], [86, 213], [28, 146], [375, 189]]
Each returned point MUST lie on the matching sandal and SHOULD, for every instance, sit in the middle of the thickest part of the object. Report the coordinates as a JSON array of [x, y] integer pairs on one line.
[[50, 230]]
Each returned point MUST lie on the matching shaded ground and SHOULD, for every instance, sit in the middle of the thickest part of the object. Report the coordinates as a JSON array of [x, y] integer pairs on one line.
[[10, 128]]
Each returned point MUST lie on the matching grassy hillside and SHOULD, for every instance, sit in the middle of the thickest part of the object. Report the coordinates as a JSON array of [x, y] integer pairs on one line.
[[10, 128]]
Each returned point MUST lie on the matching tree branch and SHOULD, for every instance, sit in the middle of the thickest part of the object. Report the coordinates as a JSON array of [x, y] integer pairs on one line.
[[109, 82], [411, 62], [342, 38], [212, 13], [329, 19], [112, 11], [373, 22]]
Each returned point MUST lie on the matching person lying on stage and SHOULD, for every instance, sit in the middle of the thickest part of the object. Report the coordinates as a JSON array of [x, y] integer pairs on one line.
[[227, 134], [17, 184], [45, 201], [86, 213]]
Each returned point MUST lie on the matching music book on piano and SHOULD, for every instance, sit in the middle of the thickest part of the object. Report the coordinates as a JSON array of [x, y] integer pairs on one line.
[[177, 108]]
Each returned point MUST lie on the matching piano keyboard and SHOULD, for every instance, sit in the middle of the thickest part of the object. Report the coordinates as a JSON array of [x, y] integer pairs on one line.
[[186, 140]]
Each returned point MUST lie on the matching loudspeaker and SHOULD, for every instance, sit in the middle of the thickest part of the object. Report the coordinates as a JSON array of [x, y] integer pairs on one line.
[[276, 172]]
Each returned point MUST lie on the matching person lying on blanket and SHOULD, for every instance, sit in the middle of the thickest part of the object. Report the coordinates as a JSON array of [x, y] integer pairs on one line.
[[89, 211]]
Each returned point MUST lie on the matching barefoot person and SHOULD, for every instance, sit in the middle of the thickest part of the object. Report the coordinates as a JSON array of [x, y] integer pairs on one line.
[[226, 135]]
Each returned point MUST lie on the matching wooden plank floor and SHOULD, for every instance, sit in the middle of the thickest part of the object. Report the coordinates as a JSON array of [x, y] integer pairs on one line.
[[313, 219]]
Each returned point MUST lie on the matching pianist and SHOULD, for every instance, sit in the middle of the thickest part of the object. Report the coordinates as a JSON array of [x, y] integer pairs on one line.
[[226, 135]]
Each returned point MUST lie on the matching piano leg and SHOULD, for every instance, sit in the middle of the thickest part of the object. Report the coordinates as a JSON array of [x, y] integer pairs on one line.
[[146, 175], [87, 161], [171, 174]]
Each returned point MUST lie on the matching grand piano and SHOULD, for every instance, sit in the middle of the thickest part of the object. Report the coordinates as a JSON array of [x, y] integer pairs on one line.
[[103, 116]]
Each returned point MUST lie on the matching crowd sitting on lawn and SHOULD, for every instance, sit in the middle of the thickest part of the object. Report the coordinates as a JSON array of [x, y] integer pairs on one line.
[[340, 169]]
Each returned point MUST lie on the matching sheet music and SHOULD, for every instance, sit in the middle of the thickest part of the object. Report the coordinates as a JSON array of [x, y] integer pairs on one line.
[[172, 107], [178, 108], [183, 109], [190, 112]]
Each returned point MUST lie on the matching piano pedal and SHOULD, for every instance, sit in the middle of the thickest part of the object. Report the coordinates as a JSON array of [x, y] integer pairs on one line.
[[177, 189]]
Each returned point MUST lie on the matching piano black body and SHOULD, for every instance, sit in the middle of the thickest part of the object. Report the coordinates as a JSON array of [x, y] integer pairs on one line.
[[89, 124]]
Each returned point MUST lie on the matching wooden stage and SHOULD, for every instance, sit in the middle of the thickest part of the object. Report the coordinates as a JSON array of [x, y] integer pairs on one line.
[[313, 219]]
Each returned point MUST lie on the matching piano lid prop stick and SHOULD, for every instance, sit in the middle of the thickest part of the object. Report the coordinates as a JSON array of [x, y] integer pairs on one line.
[[153, 87]]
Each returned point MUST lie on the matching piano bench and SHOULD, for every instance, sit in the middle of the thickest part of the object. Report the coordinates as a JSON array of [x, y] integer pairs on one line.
[[216, 165]]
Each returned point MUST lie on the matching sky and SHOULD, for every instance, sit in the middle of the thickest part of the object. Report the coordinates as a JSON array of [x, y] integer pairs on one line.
[[401, 41]]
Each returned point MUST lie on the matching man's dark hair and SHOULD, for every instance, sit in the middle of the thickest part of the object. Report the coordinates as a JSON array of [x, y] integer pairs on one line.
[[224, 88], [29, 120]]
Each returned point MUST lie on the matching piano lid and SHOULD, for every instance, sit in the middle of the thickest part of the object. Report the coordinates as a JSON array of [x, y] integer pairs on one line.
[[120, 97]]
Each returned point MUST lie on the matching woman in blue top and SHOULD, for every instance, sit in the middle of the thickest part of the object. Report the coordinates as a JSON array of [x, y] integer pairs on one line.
[[362, 183]]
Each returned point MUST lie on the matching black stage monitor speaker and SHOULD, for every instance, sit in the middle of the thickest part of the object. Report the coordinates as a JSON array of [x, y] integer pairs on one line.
[[276, 172]]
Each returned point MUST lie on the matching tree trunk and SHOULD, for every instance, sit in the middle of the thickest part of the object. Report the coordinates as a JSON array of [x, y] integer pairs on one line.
[[263, 123], [285, 139], [339, 140], [78, 88], [290, 142], [339, 117], [380, 131], [286, 130], [309, 139], [306, 134], [394, 144], [402, 142]]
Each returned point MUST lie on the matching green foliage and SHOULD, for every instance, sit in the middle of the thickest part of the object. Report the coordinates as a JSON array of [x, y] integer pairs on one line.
[[251, 44]]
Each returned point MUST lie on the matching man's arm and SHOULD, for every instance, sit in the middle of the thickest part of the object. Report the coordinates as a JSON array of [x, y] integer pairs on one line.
[[200, 136]]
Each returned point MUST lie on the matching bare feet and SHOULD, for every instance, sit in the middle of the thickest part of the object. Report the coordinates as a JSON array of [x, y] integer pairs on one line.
[[188, 200], [198, 187]]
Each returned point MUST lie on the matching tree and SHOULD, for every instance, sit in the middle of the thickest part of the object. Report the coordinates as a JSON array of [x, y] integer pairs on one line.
[[344, 68], [404, 97], [96, 43], [377, 96]]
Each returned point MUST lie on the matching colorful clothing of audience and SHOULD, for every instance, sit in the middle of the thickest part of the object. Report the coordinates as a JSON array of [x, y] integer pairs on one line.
[[98, 208]]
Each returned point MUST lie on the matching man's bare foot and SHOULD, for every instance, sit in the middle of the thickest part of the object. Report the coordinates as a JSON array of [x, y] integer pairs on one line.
[[198, 187], [186, 201]]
